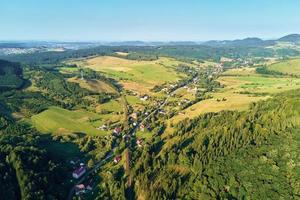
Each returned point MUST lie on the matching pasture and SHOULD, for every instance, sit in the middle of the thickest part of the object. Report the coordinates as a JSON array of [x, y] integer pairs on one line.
[[93, 85], [61, 121], [291, 67], [140, 76]]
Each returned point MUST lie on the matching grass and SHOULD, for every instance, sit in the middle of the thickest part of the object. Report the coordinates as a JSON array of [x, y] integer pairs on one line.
[[68, 70], [291, 67], [135, 75], [144, 135], [61, 121], [111, 106], [93, 85], [242, 87]]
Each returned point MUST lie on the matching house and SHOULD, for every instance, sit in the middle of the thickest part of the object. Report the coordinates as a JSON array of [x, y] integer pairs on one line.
[[139, 142], [79, 172], [142, 127], [117, 130], [79, 189], [144, 98], [162, 112], [117, 159], [102, 128], [134, 115], [126, 137]]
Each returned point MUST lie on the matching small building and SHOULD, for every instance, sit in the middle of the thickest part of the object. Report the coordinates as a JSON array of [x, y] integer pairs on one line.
[[79, 172], [134, 115], [102, 128], [126, 137], [79, 189], [117, 130], [142, 127], [117, 159], [139, 142], [144, 98]]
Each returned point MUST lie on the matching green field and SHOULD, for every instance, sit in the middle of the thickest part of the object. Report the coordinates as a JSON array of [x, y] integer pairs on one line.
[[61, 121], [291, 67]]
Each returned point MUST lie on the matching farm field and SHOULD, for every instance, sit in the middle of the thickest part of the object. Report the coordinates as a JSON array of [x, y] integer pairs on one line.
[[140, 76], [93, 85], [291, 67], [61, 121], [241, 87]]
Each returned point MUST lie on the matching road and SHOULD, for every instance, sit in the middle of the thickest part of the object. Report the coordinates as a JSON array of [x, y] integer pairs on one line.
[[131, 132]]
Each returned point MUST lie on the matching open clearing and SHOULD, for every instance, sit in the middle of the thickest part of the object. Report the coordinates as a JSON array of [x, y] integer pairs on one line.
[[93, 85], [140, 76], [61, 121], [291, 67]]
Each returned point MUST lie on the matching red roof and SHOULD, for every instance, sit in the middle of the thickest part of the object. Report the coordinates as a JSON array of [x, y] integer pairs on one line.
[[117, 130], [80, 186], [117, 158]]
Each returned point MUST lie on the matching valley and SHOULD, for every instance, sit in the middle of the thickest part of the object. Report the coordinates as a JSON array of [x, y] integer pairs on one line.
[[116, 126]]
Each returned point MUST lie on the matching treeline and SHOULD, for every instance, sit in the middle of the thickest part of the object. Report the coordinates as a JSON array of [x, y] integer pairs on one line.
[[182, 169], [265, 70]]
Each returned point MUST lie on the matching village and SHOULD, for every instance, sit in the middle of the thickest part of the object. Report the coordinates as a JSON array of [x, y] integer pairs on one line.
[[135, 133]]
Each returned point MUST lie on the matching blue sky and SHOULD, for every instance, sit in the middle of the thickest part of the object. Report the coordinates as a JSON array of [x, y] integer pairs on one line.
[[149, 20]]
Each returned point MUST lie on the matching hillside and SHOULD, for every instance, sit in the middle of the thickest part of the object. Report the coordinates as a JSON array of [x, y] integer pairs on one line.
[[289, 67], [10, 75], [294, 38]]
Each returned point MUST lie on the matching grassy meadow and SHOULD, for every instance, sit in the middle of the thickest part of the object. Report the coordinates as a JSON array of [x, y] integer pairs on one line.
[[140, 76], [291, 67], [61, 121], [93, 85]]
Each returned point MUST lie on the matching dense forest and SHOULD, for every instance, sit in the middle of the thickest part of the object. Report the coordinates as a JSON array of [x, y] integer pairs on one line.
[[27, 171], [10, 75]]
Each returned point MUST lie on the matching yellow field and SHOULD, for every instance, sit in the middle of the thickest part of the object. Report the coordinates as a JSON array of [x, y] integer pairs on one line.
[[242, 87], [93, 85], [140, 76]]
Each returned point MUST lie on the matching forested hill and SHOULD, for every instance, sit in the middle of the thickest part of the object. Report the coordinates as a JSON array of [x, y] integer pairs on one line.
[[227, 155], [10, 75]]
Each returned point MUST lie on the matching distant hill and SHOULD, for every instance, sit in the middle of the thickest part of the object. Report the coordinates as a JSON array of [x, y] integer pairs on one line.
[[243, 42], [294, 38], [10, 75]]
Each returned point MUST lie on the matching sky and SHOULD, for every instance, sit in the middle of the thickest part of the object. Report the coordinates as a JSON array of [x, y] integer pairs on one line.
[[147, 20]]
